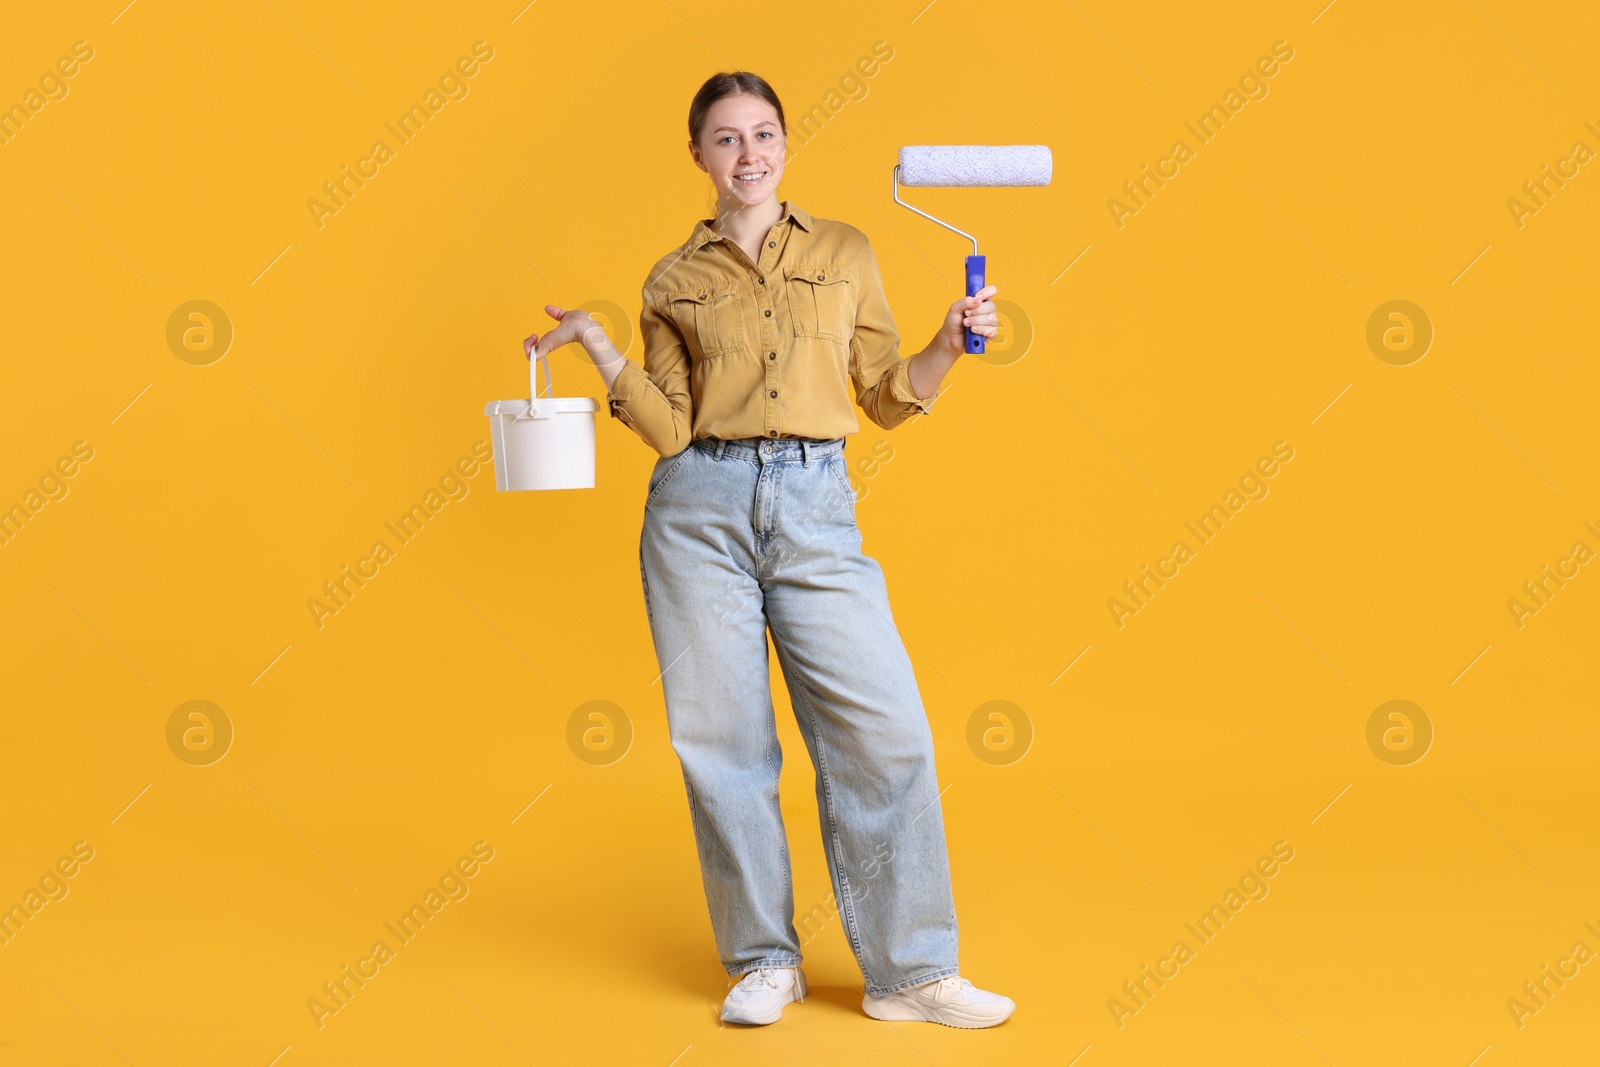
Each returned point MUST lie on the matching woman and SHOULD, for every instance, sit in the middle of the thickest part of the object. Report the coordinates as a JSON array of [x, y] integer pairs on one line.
[[754, 331]]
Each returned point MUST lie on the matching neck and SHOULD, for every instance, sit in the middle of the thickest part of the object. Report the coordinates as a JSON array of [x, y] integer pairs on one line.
[[748, 220]]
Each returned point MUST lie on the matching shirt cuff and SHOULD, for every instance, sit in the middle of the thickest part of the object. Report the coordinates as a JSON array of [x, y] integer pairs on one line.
[[624, 387], [900, 388]]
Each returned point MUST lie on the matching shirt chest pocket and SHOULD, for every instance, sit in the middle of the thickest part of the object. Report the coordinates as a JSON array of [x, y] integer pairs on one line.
[[822, 302], [711, 320]]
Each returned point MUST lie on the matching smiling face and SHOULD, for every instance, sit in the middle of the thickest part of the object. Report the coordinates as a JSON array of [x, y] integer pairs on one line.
[[741, 136]]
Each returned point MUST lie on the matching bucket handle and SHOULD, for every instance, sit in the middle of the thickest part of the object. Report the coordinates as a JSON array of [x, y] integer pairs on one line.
[[534, 410]]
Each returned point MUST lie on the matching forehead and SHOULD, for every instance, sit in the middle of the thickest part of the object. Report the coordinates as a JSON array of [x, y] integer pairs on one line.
[[741, 111]]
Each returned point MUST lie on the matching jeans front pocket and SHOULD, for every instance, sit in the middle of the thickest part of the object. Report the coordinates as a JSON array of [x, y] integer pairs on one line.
[[822, 302], [663, 471], [711, 319], [841, 474]]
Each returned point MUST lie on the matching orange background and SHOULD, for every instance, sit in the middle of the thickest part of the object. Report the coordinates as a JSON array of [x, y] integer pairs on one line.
[[1116, 801]]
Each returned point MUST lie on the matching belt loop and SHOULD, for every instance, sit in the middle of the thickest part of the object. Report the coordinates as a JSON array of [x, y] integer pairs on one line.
[[721, 444], [805, 453]]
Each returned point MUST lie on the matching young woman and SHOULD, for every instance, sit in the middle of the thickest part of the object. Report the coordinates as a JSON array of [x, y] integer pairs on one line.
[[756, 331]]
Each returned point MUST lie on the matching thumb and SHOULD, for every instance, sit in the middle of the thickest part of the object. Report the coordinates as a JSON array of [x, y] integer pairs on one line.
[[554, 312]]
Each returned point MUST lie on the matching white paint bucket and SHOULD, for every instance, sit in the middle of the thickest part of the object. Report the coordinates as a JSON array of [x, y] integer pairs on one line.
[[543, 443]]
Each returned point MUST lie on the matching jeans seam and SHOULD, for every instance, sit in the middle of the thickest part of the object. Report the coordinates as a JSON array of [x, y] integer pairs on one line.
[[847, 905], [777, 802]]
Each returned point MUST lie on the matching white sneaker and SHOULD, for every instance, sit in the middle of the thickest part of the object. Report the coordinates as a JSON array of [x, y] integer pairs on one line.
[[953, 1001], [759, 997]]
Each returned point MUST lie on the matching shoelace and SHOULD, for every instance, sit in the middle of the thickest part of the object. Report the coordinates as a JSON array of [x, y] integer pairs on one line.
[[952, 986], [760, 976]]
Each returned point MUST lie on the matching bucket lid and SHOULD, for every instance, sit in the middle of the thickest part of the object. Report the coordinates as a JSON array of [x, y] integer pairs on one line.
[[557, 404]]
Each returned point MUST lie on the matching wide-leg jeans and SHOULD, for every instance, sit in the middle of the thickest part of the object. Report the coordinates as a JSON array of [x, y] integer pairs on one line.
[[745, 536]]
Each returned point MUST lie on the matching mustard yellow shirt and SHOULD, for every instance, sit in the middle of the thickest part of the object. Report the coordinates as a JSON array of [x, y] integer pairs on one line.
[[775, 348]]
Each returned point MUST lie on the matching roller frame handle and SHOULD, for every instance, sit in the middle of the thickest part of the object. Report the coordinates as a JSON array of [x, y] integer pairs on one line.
[[975, 281]]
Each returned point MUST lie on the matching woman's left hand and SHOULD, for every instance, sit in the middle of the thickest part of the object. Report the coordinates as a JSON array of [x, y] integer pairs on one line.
[[977, 312]]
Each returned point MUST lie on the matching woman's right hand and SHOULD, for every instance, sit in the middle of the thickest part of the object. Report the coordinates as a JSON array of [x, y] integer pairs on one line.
[[573, 326]]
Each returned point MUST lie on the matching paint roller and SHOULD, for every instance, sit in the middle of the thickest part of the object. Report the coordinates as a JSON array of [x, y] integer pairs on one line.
[[963, 165]]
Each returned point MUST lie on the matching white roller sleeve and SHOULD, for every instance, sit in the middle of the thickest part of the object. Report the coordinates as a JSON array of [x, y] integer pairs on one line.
[[939, 164]]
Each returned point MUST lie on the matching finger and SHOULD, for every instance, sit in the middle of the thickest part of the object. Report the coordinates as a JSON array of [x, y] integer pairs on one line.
[[528, 344], [553, 311]]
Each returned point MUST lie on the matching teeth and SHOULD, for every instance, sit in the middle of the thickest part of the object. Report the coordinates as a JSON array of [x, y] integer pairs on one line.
[[750, 177]]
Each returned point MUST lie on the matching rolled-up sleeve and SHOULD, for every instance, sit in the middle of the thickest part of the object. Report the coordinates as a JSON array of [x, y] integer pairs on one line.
[[882, 380], [654, 400]]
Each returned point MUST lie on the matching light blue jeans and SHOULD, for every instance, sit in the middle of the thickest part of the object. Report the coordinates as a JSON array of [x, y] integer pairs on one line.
[[745, 535]]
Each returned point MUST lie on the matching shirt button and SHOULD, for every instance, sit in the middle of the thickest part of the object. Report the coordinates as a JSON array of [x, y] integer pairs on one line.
[[772, 244], [769, 312], [772, 355], [772, 433], [773, 393], [761, 281], [819, 277]]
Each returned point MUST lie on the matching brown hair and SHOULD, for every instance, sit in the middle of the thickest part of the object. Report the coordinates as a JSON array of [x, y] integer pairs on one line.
[[724, 84]]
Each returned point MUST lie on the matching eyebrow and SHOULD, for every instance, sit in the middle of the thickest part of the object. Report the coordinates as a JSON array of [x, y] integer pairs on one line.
[[757, 126]]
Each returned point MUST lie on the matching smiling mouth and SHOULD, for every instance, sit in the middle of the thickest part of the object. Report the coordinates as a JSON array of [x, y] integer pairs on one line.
[[752, 180]]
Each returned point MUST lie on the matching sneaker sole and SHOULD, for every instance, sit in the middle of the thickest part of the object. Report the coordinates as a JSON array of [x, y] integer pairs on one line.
[[776, 1013], [898, 1010]]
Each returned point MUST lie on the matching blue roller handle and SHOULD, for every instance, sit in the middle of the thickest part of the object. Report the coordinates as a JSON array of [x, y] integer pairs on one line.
[[975, 282]]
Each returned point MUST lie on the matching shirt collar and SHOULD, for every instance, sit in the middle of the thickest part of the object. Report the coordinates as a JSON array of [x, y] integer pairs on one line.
[[703, 233]]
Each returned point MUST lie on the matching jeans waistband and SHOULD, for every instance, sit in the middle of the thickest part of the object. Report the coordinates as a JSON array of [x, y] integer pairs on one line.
[[771, 449]]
